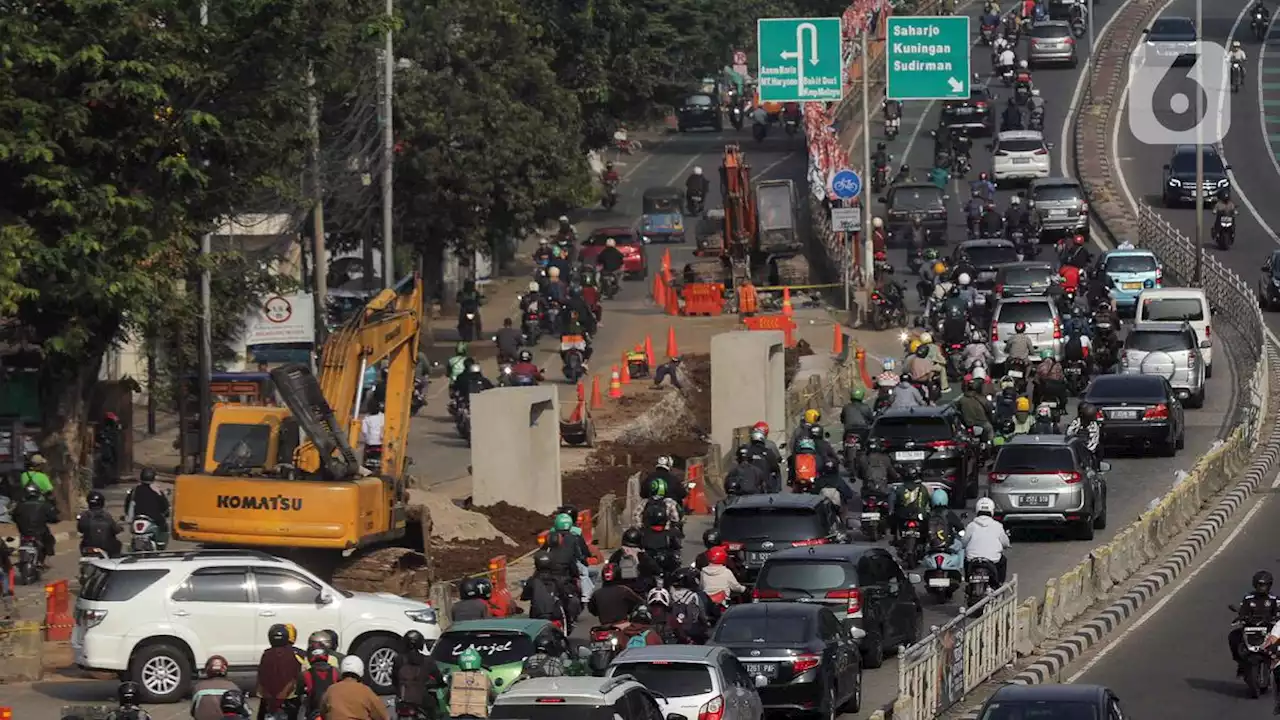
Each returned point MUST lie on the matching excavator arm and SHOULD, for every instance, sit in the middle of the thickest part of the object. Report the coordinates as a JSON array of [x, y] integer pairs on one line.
[[739, 211]]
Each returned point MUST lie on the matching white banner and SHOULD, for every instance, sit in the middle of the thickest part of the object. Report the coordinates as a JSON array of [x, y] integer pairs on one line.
[[283, 319]]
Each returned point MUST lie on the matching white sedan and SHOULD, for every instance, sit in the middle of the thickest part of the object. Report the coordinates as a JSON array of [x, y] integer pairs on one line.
[[1019, 155]]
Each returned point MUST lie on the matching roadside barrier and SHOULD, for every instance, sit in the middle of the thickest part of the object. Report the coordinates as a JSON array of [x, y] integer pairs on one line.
[[773, 322], [695, 476], [57, 613], [704, 299], [502, 604], [937, 671]]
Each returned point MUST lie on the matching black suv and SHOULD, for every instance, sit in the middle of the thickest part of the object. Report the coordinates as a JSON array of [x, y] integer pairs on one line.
[[924, 200], [987, 257], [1180, 176], [756, 526], [861, 583], [934, 438], [699, 110], [1269, 282], [977, 114]]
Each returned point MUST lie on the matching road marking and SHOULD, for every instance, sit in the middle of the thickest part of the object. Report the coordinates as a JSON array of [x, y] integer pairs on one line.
[[1106, 650], [769, 168]]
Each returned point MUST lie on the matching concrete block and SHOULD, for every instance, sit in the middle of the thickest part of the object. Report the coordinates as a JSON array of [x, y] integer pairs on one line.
[[22, 653], [747, 382], [441, 597], [1028, 622], [515, 447], [609, 524]]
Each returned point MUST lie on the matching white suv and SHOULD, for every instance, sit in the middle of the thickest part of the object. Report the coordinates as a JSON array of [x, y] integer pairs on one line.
[[155, 618]]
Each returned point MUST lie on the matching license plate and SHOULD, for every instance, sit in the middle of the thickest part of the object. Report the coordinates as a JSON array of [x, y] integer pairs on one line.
[[1015, 374], [1124, 414], [757, 558], [766, 669], [940, 582], [1033, 501], [1058, 213], [1022, 161], [987, 276], [909, 455], [602, 645], [871, 516], [1131, 286], [1052, 404]]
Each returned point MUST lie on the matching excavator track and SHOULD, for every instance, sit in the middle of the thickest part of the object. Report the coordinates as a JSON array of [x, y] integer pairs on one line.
[[403, 570], [792, 270]]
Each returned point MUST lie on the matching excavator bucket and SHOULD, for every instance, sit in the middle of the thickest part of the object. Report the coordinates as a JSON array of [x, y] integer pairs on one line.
[[301, 393]]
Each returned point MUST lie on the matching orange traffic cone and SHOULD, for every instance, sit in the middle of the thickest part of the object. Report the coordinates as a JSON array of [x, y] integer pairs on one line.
[[648, 351], [666, 262], [615, 384], [597, 402], [626, 371], [786, 302], [673, 350], [576, 416], [582, 390], [837, 341], [673, 303], [659, 291]]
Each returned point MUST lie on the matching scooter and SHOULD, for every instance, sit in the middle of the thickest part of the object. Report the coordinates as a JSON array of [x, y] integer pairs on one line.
[[891, 127], [606, 643], [573, 353], [1237, 76], [1035, 119], [879, 179], [1258, 25], [1224, 231], [419, 394], [696, 203], [28, 570], [144, 535], [791, 125], [1076, 376], [945, 566], [531, 324], [875, 513], [468, 325], [609, 286], [911, 541], [610, 197], [980, 576], [960, 166], [735, 116], [1255, 660], [988, 33]]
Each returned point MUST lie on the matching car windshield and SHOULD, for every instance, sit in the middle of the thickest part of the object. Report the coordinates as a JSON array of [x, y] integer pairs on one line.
[[672, 679], [1172, 309], [987, 255], [1052, 710], [1125, 387], [807, 575], [1033, 458], [1184, 163], [774, 204], [1050, 31], [496, 647], [1037, 276], [1027, 312], [1174, 27], [699, 100], [1130, 263], [1158, 341], [1019, 145], [550, 709], [106, 585], [916, 199], [659, 205], [779, 524], [746, 629], [1057, 193], [917, 429]]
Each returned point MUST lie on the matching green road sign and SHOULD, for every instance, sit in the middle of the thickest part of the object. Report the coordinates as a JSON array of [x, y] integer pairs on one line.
[[928, 58], [799, 59]]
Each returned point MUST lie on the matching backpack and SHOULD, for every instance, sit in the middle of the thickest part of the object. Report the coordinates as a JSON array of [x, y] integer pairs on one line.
[[689, 618], [639, 641], [657, 502], [806, 466], [317, 680], [628, 567], [545, 604], [411, 684]]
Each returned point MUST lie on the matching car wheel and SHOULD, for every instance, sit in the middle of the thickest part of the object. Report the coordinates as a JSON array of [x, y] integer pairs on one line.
[[829, 708], [1169, 448], [1208, 371], [854, 703], [873, 652], [1084, 530], [682, 128], [162, 671], [1182, 440], [1195, 401], [378, 653]]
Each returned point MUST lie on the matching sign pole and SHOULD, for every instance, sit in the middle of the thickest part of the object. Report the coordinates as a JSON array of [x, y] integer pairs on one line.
[[868, 248]]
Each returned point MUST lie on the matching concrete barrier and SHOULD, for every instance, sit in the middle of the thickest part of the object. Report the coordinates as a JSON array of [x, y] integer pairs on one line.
[[22, 652]]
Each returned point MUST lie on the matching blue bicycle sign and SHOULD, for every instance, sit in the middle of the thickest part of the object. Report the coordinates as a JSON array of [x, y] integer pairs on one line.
[[846, 184]]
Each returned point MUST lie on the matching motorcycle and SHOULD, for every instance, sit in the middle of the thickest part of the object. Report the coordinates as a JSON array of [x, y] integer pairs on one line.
[[791, 125], [573, 354], [891, 128], [1006, 75], [696, 203], [609, 286], [372, 461], [531, 324], [954, 353], [875, 512], [144, 535], [419, 394], [624, 144], [1258, 25], [1025, 247], [1035, 119], [610, 197], [759, 131], [469, 325], [1237, 75], [606, 643], [945, 563], [1017, 371], [915, 261], [886, 312], [1255, 661], [462, 422], [1078, 26], [980, 576], [853, 440], [29, 568], [735, 117], [961, 165], [879, 179], [988, 33], [1224, 231], [1076, 376], [909, 541]]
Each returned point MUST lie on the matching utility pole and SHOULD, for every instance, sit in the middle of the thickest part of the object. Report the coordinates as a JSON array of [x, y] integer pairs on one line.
[[319, 261], [388, 152], [206, 317], [1200, 194], [868, 248]]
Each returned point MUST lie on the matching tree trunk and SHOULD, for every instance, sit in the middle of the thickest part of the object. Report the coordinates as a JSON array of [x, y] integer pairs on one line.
[[65, 392]]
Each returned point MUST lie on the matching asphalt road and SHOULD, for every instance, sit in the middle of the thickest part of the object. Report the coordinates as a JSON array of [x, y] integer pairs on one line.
[[437, 451]]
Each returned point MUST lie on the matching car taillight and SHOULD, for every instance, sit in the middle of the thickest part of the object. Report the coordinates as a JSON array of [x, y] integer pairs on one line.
[[1070, 40], [758, 594], [90, 618], [804, 663], [994, 335], [1159, 412], [996, 478], [999, 288], [1057, 329], [600, 635], [1099, 416], [734, 547], [1159, 276], [912, 523], [809, 543], [1070, 478], [1041, 151], [1208, 331], [712, 710], [1002, 153], [549, 701], [980, 105], [854, 596], [941, 444]]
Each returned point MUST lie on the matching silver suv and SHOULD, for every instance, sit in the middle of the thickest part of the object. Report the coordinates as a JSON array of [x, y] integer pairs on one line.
[[577, 698], [1046, 481], [1040, 315], [1060, 207], [1170, 350]]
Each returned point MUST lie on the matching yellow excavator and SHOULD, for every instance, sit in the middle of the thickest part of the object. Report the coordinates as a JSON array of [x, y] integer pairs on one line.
[[288, 477]]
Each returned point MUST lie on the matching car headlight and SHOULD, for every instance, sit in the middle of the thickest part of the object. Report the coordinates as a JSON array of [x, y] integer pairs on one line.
[[425, 615], [1174, 182]]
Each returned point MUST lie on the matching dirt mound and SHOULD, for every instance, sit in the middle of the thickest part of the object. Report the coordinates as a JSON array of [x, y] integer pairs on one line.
[[453, 561], [791, 360], [452, 524], [519, 524]]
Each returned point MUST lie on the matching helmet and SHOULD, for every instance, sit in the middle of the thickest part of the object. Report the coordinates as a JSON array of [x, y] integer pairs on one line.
[[542, 560], [469, 660], [293, 633], [912, 472], [658, 487], [1043, 410], [1262, 581], [414, 640], [857, 394], [757, 435], [484, 587], [687, 578], [974, 384], [564, 219], [546, 644], [97, 500], [1023, 404], [930, 254], [461, 348], [611, 243], [631, 538], [877, 223], [232, 703], [474, 368], [697, 169], [147, 475], [278, 635], [525, 356], [1046, 353], [743, 453], [806, 445], [761, 426], [926, 338], [609, 573], [905, 377], [128, 693], [562, 522], [322, 638], [979, 372], [939, 498], [665, 462], [655, 515], [888, 365], [1087, 412], [641, 615], [733, 486], [467, 589], [964, 279], [914, 346], [1079, 240], [215, 666], [983, 176], [717, 555], [922, 351], [533, 286], [1236, 44], [554, 272], [711, 537], [658, 596], [984, 506], [333, 638], [1022, 64], [543, 241], [812, 416], [1008, 427], [1016, 200], [1020, 327]]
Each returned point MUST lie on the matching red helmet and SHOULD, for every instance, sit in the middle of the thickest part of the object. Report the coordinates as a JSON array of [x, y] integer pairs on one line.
[[215, 666], [609, 573], [761, 426], [1079, 239], [982, 175], [717, 555]]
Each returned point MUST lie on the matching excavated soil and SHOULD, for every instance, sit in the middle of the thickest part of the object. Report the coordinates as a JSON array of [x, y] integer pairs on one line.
[[517, 523], [453, 561], [791, 360]]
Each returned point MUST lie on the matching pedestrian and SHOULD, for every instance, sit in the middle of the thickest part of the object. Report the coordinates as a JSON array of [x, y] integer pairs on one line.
[[668, 369]]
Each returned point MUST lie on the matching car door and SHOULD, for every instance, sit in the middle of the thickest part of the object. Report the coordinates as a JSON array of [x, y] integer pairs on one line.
[[1113, 707], [215, 604], [836, 639], [737, 702], [903, 598], [284, 596]]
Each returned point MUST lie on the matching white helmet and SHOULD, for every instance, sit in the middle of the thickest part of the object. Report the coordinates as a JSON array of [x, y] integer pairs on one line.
[[665, 462], [554, 272], [611, 243], [925, 338], [1035, 92], [543, 241], [697, 169], [985, 506], [877, 223], [1022, 64], [564, 219], [352, 665], [979, 373], [658, 596], [533, 286], [964, 279], [1015, 200], [938, 291], [1235, 45]]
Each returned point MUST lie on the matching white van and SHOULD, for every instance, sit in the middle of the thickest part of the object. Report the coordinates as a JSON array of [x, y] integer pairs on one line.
[[1180, 304]]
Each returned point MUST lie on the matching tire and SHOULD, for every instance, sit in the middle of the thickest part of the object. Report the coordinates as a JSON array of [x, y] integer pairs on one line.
[[873, 654], [375, 651], [1182, 440], [1169, 448], [1208, 371], [163, 671], [854, 703], [1195, 401], [1252, 681], [1084, 531], [830, 707], [1100, 520]]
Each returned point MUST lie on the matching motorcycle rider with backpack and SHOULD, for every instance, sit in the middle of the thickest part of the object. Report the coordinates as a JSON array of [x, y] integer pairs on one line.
[[545, 660], [471, 605], [548, 595], [658, 539], [749, 477], [615, 600], [97, 528], [829, 484], [636, 568], [658, 499], [568, 550], [129, 693], [317, 676], [207, 694], [417, 677]]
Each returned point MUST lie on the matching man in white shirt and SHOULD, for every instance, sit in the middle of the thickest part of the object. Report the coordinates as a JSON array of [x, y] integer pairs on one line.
[[371, 435], [985, 538], [1006, 61]]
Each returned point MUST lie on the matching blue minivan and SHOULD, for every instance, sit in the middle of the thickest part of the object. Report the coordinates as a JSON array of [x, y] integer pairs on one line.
[[1130, 272]]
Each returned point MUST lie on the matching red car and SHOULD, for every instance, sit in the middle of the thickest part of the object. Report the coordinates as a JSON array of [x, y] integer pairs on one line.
[[634, 263]]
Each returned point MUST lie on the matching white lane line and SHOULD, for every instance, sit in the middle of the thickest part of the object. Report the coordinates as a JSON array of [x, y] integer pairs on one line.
[[1106, 650], [769, 168]]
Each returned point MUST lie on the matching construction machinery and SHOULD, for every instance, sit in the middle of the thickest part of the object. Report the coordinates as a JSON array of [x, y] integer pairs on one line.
[[757, 239], [288, 478]]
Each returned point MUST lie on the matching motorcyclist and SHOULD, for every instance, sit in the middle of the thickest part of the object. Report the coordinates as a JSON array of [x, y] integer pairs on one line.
[[636, 568], [992, 225], [542, 255], [856, 416], [983, 186], [1043, 423], [35, 475], [1015, 216], [615, 600], [830, 484], [523, 367], [1260, 6], [1050, 379], [1022, 417], [974, 409], [470, 382], [459, 362], [940, 176], [696, 184], [508, 340], [548, 591], [1259, 607], [718, 580], [880, 158], [961, 143], [1011, 118], [129, 695], [1076, 253], [821, 444], [207, 694], [659, 539], [470, 691], [33, 516], [547, 659], [580, 318], [1237, 55], [903, 175], [892, 109], [764, 453], [469, 300], [639, 630], [811, 417], [942, 519], [965, 290], [1020, 346], [145, 499], [555, 288], [97, 528], [470, 605], [568, 551], [910, 499], [973, 209], [985, 539], [1085, 425], [278, 674], [610, 178], [1076, 347], [976, 352], [905, 395], [1022, 76], [1225, 205], [749, 476], [610, 260], [990, 19], [318, 675], [664, 472], [416, 676], [916, 235], [921, 367]]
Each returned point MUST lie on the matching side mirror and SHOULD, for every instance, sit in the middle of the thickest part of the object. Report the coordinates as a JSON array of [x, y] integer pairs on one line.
[[857, 633], [761, 681], [497, 682], [933, 133], [1104, 466], [914, 578], [1234, 608], [324, 598], [1205, 344], [584, 652]]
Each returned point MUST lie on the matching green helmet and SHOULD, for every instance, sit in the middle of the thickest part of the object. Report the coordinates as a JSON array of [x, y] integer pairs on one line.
[[562, 522], [930, 254], [658, 488], [857, 394], [806, 445], [1046, 353], [469, 660], [460, 349]]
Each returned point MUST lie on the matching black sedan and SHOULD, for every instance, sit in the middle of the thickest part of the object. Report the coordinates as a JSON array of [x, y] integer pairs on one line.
[[987, 257], [1138, 409], [932, 437], [802, 658], [1269, 282], [1052, 702], [699, 110], [977, 115], [908, 200]]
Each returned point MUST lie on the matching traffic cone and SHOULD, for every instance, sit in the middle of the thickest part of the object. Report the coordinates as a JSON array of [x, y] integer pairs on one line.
[[659, 291], [582, 390], [626, 371], [786, 302], [615, 384], [837, 341], [673, 350], [648, 352], [576, 416], [597, 402], [666, 262], [673, 303]]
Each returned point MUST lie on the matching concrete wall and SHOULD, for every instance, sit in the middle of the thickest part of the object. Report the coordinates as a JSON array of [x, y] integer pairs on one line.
[[515, 448], [748, 383]]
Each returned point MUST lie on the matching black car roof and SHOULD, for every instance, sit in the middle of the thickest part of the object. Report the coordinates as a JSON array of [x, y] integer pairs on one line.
[[984, 242], [1140, 383], [849, 552], [929, 411], [774, 608], [1029, 693], [916, 186], [1030, 265], [1209, 150], [784, 500]]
